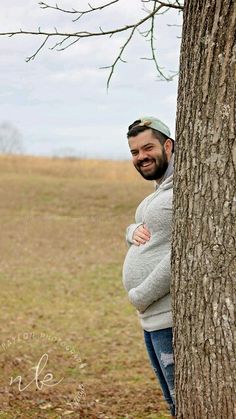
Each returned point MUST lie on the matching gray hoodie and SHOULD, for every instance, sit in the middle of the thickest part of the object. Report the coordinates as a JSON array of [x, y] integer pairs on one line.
[[146, 270]]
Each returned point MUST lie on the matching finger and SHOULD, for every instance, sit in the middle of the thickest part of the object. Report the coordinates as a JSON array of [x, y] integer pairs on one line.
[[146, 229], [143, 236], [135, 242], [138, 237], [143, 232], [140, 240]]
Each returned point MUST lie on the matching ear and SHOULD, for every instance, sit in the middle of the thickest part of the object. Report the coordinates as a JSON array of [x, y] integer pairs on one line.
[[168, 145]]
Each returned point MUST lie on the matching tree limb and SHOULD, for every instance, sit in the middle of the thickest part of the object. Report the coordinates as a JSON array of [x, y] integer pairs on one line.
[[175, 5], [32, 57], [44, 5], [159, 7]]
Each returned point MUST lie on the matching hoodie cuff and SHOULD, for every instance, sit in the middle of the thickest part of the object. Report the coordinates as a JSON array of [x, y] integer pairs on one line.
[[130, 231], [133, 298]]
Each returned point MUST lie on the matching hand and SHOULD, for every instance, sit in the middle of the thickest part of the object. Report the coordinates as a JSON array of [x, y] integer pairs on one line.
[[141, 235]]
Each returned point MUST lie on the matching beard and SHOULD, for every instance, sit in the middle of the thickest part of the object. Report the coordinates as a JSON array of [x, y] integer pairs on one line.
[[156, 170]]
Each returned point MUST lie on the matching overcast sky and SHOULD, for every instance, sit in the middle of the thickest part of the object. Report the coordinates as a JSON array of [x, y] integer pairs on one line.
[[59, 101]]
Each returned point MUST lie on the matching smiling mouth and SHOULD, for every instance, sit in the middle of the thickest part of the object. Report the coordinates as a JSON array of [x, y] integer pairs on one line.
[[146, 164]]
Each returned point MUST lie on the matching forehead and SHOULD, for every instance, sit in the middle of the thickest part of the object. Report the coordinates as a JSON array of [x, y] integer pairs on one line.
[[142, 139]]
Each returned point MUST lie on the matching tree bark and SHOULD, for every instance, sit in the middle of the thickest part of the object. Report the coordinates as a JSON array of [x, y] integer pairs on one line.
[[203, 245]]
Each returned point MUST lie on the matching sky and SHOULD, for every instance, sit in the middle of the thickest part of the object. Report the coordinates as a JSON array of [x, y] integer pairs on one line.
[[59, 102]]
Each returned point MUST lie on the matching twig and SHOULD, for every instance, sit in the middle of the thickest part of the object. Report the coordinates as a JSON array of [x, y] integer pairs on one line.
[[81, 13], [32, 57], [118, 58], [159, 7], [176, 5]]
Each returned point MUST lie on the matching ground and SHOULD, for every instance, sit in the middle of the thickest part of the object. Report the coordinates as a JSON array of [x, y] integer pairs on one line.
[[64, 310]]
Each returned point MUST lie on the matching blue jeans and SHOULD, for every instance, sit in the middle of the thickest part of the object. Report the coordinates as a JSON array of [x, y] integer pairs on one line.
[[160, 351]]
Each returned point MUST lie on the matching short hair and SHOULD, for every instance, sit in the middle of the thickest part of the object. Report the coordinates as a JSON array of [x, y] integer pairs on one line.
[[134, 129]]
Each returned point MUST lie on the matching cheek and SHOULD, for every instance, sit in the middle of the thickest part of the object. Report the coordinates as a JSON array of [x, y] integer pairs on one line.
[[155, 156]]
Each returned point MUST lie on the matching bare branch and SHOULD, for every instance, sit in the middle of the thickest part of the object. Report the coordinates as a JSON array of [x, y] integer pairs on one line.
[[92, 9], [82, 34], [145, 34], [151, 40], [81, 13], [169, 5], [59, 44], [86, 34], [69, 45], [151, 31], [44, 5], [153, 47], [159, 7], [32, 57], [118, 58]]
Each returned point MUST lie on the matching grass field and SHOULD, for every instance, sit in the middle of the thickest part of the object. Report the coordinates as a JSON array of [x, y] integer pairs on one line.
[[62, 249]]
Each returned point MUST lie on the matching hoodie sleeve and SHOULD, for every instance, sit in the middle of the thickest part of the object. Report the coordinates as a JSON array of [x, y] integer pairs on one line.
[[155, 286], [130, 231]]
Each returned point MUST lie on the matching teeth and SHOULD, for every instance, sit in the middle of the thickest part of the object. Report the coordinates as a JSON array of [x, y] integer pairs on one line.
[[146, 164]]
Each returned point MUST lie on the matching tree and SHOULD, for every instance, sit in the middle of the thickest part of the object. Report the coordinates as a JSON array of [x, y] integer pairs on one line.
[[203, 244], [203, 247], [10, 139]]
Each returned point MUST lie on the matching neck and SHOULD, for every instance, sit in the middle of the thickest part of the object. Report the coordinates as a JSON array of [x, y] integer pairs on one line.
[[168, 172], [159, 181]]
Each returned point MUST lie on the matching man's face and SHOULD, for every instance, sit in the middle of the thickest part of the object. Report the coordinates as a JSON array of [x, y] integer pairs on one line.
[[149, 156]]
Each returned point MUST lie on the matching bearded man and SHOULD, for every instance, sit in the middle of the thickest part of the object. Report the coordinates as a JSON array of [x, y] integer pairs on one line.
[[147, 266]]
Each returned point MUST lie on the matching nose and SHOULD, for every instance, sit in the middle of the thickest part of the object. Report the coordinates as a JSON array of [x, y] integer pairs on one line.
[[142, 155]]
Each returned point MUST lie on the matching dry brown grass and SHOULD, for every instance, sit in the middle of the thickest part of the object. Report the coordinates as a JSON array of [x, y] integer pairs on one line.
[[62, 249]]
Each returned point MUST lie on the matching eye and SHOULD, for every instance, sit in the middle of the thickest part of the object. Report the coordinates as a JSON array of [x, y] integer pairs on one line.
[[134, 153]]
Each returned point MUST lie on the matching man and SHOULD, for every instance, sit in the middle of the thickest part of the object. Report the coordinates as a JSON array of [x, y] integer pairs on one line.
[[146, 270]]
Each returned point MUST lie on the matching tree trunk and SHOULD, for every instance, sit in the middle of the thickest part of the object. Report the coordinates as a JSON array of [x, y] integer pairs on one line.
[[203, 249]]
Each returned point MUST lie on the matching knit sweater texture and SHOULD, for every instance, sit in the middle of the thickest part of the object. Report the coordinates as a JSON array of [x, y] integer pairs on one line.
[[147, 267]]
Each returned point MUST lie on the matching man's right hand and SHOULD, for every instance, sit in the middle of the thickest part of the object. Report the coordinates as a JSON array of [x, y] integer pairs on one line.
[[141, 235]]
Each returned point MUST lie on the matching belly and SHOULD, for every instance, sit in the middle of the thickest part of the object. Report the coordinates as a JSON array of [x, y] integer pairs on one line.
[[139, 262]]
